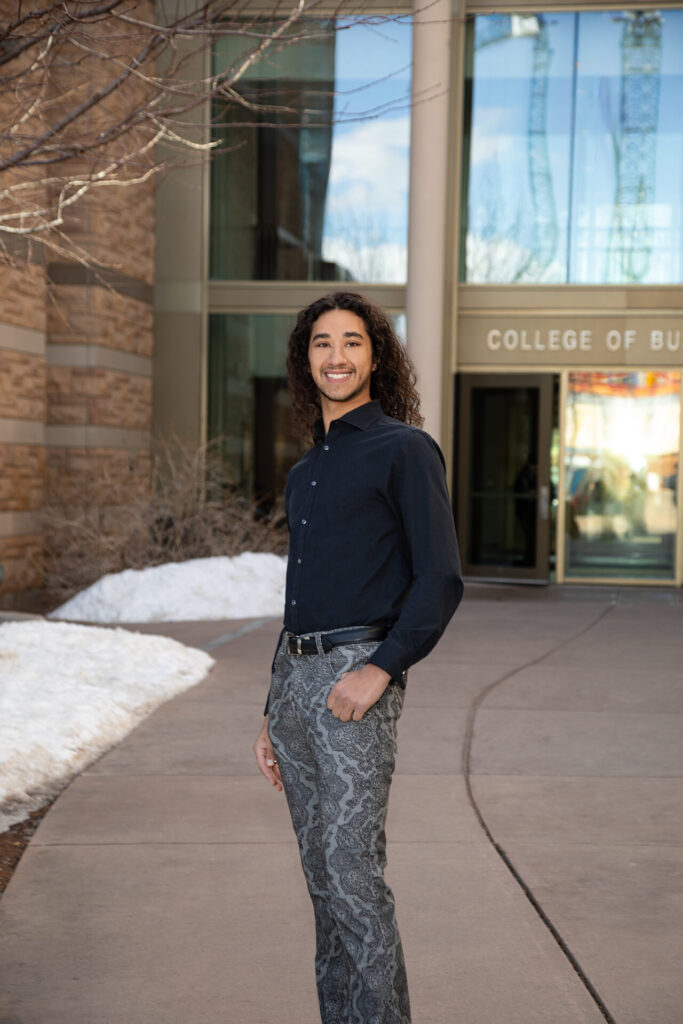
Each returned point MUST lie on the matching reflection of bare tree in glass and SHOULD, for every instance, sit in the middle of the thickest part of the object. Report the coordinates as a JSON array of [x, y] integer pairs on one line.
[[361, 242], [630, 244], [494, 240], [508, 259], [540, 178]]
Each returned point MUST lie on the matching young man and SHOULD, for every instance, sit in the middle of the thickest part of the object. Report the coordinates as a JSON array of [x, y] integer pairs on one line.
[[373, 578]]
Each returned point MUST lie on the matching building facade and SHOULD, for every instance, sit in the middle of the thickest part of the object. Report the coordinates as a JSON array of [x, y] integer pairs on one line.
[[505, 179], [521, 218], [75, 350]]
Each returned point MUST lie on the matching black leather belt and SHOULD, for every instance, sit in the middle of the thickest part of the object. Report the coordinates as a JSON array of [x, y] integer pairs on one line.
[[352, 635]]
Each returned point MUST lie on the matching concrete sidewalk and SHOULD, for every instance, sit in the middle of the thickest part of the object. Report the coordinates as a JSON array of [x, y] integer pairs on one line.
[[164, 884]]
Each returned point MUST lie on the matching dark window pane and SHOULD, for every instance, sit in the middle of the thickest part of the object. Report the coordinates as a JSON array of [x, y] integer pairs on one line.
[[249, 406], [503, 477]]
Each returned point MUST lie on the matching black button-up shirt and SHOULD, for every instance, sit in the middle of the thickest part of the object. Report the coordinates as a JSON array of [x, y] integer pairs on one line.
[[372, 539]]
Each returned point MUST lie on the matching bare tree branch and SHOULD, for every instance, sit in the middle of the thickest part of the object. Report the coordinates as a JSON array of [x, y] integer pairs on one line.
[[101, 94]]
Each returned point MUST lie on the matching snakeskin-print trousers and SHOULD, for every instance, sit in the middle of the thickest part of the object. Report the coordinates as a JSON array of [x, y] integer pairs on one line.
[[336, 776]]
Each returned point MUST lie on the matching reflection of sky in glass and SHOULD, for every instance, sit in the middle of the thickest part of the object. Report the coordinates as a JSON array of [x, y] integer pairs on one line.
[[597, 92], [366, 213]]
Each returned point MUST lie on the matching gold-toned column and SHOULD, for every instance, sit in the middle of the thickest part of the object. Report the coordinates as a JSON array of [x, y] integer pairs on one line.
[[428, 220]]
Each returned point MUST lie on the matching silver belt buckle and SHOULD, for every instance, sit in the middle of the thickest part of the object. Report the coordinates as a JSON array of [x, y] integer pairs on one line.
[[298, 645]]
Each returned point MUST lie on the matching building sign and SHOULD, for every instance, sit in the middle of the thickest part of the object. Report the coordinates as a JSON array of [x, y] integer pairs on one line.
[[564, 340]]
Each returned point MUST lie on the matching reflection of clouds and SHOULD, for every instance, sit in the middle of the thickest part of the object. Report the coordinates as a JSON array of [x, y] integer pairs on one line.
[[489, 140], [366, 224], [385, 261], [370, 165], [504, 261]]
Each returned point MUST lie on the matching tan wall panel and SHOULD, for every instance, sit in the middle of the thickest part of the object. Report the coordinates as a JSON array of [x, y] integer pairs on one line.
[[92, 436], [178, 377], [19, 523], [569, 339], [18, 431], [22, 339]]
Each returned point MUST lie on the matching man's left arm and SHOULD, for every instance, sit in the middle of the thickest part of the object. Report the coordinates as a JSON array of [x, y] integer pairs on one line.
[[419, 496], [422, 504]]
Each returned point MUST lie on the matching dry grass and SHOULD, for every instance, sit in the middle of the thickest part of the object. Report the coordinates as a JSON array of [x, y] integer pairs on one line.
[[191, 510], [14, 841]]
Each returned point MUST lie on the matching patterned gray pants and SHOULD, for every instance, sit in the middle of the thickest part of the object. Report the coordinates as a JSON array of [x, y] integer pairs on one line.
[[336, 776]]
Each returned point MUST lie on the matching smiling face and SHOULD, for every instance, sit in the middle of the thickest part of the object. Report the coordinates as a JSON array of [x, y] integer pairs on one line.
[[341, 361]]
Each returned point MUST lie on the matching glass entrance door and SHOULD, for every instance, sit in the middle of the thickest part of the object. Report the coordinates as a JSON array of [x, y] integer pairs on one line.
[[504, 496], [621, 444]]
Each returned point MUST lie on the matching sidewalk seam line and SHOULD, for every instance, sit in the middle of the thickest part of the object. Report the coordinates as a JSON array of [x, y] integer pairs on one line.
[[467, 776]]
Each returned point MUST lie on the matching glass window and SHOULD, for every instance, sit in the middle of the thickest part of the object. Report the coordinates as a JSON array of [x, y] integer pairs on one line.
[[315, 186], [622, 438], [249, 406], [574, 148]]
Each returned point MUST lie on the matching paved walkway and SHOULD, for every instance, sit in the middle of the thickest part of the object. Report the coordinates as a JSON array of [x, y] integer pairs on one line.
[[164, 885]]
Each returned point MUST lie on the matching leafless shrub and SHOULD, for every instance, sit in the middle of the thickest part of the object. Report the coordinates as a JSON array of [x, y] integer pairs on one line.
[[191, 510]]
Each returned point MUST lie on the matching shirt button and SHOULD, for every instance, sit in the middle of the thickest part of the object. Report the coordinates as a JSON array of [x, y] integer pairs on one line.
[[314, 483], [326, 447], [304, 521], [298, 561], [293, 602]]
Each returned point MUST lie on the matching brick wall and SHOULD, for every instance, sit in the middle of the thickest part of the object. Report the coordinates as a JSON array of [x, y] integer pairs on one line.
[[76, 342], [23, 291], [93, 314], [97, 476], [22, 477], [23, 403], [22, 385], [97, 396], [20, 557]]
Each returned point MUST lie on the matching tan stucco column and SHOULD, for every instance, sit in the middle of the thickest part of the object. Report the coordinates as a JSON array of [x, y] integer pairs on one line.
[[427, 225]]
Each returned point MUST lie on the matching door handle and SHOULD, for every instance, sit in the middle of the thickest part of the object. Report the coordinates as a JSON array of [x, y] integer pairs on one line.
[[543, 505]]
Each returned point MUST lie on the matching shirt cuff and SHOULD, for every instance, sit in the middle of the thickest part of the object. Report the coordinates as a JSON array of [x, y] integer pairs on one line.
[[390, 657]]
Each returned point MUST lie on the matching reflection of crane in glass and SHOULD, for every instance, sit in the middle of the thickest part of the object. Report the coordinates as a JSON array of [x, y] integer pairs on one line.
[[493, 29], [540, 178], [629, 249]]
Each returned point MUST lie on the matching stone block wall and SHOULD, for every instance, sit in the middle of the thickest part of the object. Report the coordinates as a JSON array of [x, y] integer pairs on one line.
[[23, 404], [76, 346]]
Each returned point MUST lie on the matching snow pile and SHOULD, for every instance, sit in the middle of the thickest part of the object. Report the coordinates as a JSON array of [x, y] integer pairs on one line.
[[68, 693], [248, 585]]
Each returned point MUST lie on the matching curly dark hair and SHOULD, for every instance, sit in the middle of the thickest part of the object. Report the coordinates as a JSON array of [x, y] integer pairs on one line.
[[392, 383]]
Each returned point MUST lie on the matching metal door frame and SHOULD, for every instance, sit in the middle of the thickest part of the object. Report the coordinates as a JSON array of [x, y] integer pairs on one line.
[[543, 382]]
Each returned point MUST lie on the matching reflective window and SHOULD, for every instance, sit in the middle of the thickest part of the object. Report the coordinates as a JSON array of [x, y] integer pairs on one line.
[[315, 188], [622, 439], [574, 148], [249, 406], [249, 409]]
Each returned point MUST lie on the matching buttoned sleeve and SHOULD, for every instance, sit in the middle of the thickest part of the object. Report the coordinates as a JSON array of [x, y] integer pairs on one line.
[[419, 496]]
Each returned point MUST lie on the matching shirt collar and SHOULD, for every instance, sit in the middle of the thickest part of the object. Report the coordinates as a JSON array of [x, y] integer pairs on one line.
[[362, 417]]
